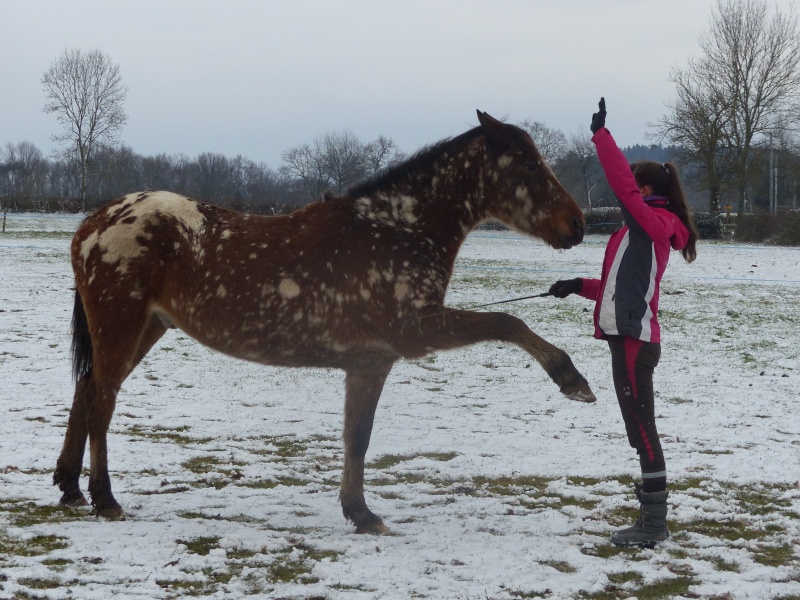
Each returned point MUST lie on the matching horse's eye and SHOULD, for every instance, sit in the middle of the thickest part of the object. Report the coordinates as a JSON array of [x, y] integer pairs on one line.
[[530, 166]]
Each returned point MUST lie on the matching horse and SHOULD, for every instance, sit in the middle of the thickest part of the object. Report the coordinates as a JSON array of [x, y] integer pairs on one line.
[[355, 282]]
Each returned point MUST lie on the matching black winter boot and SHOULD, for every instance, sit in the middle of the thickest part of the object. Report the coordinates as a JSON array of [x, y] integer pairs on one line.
[[651, 526]]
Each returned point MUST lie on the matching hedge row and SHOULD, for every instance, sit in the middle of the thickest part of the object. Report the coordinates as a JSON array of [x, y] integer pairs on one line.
[[783, 230]]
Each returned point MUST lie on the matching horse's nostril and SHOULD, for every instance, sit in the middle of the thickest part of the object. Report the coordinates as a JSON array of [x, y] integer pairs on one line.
[[577, 226]]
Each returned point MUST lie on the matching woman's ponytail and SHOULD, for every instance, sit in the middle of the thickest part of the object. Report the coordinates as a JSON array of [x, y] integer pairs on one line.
[[665, 181]]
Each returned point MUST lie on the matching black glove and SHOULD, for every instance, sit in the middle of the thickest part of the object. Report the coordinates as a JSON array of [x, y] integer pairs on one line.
[[564, 287], [599, 118]]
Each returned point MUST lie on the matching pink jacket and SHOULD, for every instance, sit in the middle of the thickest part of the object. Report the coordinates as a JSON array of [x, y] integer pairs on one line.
[[626, 294]]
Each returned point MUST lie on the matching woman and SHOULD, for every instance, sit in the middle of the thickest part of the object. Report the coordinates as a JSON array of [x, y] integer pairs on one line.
[[656, 220]]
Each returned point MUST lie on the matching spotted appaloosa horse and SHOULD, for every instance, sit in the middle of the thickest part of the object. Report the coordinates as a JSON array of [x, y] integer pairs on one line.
[[341, 283]]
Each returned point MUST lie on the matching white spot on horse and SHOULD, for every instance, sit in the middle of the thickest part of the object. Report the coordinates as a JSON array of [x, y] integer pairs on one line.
[[87, 245], [122, 241], [365, 293], [221, 291], [522, 193], [288, 289], [401, 291], [253, 256], [403, 209], [504, 161], [373, 277], [226, 234]]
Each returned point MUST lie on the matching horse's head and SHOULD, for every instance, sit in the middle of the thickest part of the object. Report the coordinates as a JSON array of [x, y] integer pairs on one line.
[[521, 189]]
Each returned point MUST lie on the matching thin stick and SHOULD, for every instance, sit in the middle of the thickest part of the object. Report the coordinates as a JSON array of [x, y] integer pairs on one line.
[[542, 295]]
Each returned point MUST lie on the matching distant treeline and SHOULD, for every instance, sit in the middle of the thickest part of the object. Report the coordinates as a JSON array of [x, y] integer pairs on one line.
[[29, 181]]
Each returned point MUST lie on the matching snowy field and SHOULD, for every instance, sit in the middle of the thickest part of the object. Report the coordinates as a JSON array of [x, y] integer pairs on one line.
[[494, 485]]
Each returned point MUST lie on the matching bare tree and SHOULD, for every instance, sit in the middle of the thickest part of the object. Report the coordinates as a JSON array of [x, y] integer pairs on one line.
[[304, 165], [698, 120], [747, 83], [380, 154], [336, 160], [85, 91], [343, 158], [579, 169], [26, 174], [552, 143]]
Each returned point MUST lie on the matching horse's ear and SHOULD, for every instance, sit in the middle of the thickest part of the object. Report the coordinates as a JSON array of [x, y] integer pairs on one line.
[[497, 137], [488, 122]]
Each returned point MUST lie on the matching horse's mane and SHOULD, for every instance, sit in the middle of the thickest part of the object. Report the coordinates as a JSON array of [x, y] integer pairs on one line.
[[420, 160]]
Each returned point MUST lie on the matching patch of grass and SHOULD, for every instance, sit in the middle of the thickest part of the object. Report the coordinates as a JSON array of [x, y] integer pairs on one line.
[[440, 456], [720, 564], [731, 530], [296, 564], [585, 481], [177, 585], [25, 513], [512, 486], [659, 589], [665, 588], [201, 464], [689, 483], [280, 446], [561, 566], [388, 461], [774, 556], [178, 489], [531, 594], [268, 484], [172, 434], [36, 583], [231, 519], [622, 515], [610, 551], [677, 400], [38, 545], [758, 500], [623, 577], [201, 545]]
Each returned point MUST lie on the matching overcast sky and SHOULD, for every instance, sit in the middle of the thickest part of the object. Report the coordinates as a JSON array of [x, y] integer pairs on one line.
[[256, 77]]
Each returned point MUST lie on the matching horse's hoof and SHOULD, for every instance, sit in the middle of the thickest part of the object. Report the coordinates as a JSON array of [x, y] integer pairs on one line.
[[374, 528], [79, 500], [112, 513], [580, 393]]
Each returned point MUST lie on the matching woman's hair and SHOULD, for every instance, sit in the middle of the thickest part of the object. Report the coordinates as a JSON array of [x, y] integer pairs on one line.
[[665, 181]]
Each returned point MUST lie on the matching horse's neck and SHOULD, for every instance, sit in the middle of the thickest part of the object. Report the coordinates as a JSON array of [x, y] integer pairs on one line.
[[445, 198]]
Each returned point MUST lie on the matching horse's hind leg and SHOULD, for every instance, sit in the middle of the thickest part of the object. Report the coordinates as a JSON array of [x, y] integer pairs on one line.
[[363, 388], [90, 416], [68, 467], [456, 328], [128, 352]]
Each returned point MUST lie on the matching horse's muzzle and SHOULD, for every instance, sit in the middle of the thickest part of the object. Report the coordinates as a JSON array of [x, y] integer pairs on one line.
[[575, 237]]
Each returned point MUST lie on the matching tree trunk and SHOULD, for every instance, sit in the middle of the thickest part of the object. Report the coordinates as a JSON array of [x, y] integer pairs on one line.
[[84, 177], [713, 200]]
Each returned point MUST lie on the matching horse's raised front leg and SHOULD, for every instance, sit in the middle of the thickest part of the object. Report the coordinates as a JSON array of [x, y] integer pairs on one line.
[[363, 387], [457, 328], [70, 462]]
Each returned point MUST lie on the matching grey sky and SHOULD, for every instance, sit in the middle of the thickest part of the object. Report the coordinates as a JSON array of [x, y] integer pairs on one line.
[[258, 77]]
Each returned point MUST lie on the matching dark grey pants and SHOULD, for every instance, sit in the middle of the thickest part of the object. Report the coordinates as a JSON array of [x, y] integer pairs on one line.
[[632, 364]]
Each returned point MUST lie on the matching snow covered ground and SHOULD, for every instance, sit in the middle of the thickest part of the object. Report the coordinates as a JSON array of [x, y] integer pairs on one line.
[[494, 485]]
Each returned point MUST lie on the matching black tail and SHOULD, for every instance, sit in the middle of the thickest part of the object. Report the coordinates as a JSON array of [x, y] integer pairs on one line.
[[82, 352]]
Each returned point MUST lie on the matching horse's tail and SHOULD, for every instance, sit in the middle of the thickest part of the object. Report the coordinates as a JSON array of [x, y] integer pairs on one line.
[[82, 352]]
